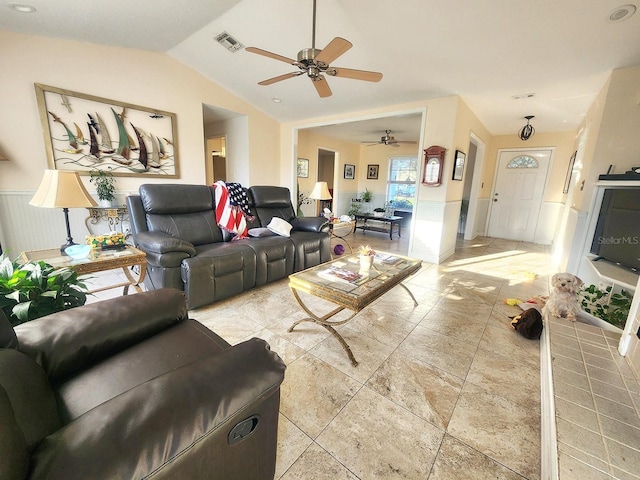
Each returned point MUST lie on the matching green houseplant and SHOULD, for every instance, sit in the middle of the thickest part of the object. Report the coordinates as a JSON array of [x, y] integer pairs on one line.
[[606, 305], [36, 289], [105, 186]]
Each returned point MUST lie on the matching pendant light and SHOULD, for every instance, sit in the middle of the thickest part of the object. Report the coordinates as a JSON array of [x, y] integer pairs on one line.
[[527, 131]]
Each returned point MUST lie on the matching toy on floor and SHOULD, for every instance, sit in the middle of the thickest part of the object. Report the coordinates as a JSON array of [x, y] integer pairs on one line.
[[338, 249], [512, 301], [563, 299], [528, 323]]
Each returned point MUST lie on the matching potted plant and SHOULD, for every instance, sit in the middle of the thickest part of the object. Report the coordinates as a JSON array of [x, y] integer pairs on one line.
[[605, 305], [379, 212], [367, 254], [36, 289], [105, 186], [367, 195]]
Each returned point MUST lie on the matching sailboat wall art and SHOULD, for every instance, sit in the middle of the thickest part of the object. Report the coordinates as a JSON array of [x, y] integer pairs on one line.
[[84, 133]]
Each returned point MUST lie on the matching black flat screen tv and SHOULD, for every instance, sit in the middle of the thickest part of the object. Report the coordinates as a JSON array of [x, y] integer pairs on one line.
[[617, 234]]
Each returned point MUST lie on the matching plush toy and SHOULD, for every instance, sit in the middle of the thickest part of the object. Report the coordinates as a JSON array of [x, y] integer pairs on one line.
[[338, 249]]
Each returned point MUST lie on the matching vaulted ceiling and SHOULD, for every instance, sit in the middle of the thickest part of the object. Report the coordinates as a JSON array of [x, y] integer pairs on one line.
[[560, 51]]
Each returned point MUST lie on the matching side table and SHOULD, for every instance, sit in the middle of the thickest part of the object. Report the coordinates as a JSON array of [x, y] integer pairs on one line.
[[97, 261]]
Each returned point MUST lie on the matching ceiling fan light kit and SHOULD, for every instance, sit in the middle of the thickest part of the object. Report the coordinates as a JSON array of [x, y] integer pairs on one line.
[[388, 139], [315, 62], [527, 131]]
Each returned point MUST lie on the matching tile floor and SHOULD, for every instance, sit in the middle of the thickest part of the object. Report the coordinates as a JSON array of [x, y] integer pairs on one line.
[[445, 390]]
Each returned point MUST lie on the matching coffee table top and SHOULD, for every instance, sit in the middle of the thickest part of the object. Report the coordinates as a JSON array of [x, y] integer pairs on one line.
[[97, 261], [387, 271]]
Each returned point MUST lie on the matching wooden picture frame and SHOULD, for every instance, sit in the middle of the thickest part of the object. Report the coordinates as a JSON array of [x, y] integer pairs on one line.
[[349, 171], [458, 165], [303, 168], [567, 179], [84, 133], [372, 172]]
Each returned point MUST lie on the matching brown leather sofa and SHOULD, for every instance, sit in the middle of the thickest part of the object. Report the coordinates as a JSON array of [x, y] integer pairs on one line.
[[175, 225], [131, 388]]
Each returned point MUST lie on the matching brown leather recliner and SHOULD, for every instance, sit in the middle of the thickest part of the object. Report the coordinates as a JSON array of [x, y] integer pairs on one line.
[[131, 388]]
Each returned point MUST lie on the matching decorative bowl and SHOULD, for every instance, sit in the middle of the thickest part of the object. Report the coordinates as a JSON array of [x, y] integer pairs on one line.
[[78, 252]]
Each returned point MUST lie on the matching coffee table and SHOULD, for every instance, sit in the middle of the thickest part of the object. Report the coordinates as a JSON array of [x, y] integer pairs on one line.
[[388, 270], [392, 220], [97, 261]]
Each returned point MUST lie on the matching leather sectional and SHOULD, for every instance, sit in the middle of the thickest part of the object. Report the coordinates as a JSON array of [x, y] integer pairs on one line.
[[175, 225]]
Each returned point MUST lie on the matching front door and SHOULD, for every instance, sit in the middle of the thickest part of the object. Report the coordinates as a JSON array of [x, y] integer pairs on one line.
[[517, 197]]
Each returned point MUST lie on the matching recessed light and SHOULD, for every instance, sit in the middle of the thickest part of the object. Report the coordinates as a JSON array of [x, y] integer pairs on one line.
[[18, 7], [622, 12], [276, 100]]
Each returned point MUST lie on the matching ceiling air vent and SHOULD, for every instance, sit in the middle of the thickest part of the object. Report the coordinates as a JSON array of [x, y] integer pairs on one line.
[[228, 42]]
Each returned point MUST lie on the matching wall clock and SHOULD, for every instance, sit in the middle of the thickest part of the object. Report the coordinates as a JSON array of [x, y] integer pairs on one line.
[[433, 165]]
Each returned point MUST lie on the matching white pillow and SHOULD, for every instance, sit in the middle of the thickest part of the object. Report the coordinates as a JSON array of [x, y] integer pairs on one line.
[[279, 226]]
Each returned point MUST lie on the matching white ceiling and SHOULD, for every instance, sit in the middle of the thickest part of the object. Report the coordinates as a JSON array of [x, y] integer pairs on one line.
[[484, 51]]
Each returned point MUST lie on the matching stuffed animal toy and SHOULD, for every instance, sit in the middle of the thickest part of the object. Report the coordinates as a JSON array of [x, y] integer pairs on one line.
[[528, 323], [563, 299]]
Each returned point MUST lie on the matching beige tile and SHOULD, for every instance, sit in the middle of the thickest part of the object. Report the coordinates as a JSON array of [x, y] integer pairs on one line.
[[571, 468], [568, 364], [620, 432], [424, 390], [378, 324], [465, 327], [576, 414], [306, 335], [500, 376], [461, 302], [563, 376], [292, 442], [313, 393], [499, 428], [363, 438], [622, 475], [457, 461], [606, 390], [620, 412], [605, 363], [287, 350], [597, 463], [369, 353], [568, 352], [581, 439], [624, 457], [509, 343], [606, 376], [316, 464], [446, 353]]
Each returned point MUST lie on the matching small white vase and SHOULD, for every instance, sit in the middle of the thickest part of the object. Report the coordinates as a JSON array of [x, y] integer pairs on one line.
[[106, 203], [366, 262]]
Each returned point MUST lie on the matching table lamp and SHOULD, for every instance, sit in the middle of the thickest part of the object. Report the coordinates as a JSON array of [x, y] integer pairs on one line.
[[320, 192], [62, 189]]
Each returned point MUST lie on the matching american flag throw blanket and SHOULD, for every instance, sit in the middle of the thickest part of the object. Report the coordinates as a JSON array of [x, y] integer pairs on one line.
[[232, 205]]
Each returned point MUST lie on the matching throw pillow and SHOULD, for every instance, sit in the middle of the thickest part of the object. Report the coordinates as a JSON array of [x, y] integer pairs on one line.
[[260, 232], [279, 226]]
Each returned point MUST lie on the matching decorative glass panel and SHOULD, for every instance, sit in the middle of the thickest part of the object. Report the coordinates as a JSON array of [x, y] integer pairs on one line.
[[523, 161]]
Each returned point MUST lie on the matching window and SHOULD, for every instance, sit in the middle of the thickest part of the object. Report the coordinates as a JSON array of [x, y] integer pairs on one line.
[[401, 187], [523, 161]]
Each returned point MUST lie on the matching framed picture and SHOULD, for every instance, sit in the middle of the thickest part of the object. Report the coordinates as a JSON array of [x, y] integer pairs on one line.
[[303, 168], [567, 180], [349, 171], [458, 165], [84, 133], [372, 172]]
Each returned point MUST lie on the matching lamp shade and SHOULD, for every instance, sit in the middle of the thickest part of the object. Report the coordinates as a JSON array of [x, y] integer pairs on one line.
[[320, 192], [62, 189]]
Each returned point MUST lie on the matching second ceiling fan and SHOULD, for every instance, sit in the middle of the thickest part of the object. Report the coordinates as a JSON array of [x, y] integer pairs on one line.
[[315, 63], [388, 139]]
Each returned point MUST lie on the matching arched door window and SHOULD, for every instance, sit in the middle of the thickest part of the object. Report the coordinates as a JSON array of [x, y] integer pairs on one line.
[[523, 161]]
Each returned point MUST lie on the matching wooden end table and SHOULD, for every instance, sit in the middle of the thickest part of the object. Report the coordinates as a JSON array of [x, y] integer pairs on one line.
[[97, 261], [388, 270]]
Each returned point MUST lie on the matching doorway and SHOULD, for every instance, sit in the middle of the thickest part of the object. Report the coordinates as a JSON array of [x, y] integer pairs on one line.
[[326, 173], [518, 190], [216, 159]]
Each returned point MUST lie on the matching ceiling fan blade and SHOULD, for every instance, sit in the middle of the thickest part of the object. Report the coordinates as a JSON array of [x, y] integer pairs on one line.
[[322, 87], [355, 74], [275, 56], [333, 50], [406, 141], [279, 78]]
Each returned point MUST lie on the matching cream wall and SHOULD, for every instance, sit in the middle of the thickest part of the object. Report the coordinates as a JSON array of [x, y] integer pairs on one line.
[[562, 142], [138, 77]]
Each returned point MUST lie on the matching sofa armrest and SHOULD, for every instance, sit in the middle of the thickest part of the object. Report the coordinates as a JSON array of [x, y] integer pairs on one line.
[[159, 242], [70, 341], [310, 224], [173, 425]]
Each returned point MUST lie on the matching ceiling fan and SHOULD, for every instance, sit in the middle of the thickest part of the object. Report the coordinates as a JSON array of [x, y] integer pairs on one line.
[[388, 139], [315, 62]]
